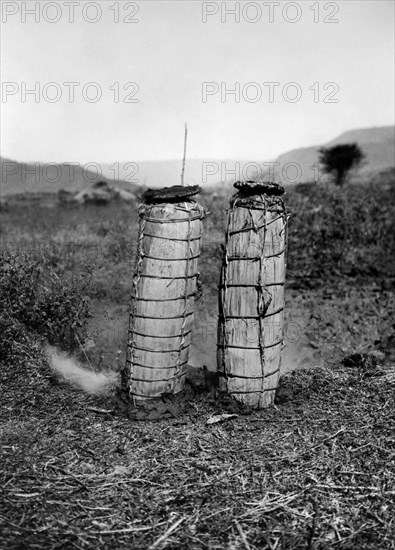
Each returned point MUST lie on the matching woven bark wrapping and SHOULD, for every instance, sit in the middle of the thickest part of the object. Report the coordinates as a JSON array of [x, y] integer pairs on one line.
[[251, 299], [163, 292]]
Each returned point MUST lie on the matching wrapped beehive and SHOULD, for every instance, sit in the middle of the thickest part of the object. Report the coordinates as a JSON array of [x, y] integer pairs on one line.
[[163, 292], [251, 294]]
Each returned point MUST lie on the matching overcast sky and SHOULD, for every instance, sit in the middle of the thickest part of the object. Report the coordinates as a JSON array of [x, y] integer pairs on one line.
[[168, 54]]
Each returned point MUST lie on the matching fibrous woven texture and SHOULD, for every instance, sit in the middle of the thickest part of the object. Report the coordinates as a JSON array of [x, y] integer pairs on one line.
[[251, 297], [176, 193], [257, 187], [164, 288]]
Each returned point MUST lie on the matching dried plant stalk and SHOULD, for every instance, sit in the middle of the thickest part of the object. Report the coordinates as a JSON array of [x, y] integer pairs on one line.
[[162, 306], [251, 296]]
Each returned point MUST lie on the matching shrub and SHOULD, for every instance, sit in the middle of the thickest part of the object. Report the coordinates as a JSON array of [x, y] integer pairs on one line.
[[36, 301], [339, 159], [349, 231], [12, 335]]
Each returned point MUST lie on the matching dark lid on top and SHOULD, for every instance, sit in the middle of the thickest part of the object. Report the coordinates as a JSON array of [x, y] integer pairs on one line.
[[175, 193], [257, 187]]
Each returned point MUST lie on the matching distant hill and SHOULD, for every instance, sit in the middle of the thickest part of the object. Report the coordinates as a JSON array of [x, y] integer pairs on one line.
[[20, 178], [204, 172], [378, 145], [366, 135]]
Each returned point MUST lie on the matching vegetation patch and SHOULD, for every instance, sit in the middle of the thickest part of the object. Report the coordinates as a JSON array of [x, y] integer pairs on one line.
[[35, 301], [315, 471]]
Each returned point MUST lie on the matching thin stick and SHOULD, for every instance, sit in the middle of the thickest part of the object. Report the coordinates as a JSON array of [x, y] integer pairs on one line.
[[100, 411], [126, 530], [185, 152], [242, 535], [167, 533]]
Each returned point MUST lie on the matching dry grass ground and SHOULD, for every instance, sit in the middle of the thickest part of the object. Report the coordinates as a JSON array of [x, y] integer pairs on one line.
[[315, 471]]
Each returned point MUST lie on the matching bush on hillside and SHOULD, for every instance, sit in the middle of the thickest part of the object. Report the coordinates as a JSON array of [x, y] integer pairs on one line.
[[340, 159]]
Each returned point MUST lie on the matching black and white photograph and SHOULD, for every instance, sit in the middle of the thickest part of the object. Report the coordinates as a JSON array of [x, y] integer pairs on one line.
[[197, 275]]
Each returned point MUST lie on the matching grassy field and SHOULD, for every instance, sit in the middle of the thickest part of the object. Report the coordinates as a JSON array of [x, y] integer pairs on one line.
[[315, 471]]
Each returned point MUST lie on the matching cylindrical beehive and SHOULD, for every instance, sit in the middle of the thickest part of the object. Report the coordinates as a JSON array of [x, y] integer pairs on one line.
[[251, 294], [163, 293]]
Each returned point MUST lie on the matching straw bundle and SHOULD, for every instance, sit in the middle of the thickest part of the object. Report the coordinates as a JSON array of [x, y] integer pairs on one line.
[[251, 294], [163, 293]]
